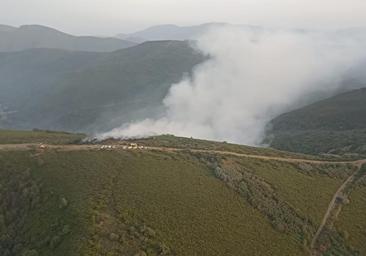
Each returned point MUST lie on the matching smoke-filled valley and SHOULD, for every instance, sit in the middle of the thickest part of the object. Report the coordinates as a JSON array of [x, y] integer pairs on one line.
[[227, 84], [251, 76]]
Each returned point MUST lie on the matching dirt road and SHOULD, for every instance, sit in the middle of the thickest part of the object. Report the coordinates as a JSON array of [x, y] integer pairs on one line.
[[80, 147], [263, 157], [333, 203]]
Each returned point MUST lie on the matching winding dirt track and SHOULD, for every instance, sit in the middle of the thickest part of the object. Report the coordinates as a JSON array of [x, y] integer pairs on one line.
[[332, 203], [327, 215]]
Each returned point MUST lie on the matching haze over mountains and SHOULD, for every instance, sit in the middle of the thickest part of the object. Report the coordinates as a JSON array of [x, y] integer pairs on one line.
[[174, 32], [36, 36]]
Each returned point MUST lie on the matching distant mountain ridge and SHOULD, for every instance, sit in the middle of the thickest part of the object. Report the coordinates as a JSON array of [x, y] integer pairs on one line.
[[36, 36], [4, 28], [174, 32]]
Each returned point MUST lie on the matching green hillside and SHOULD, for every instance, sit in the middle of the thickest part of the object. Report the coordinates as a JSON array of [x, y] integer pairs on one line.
[[83, 91], [336, 125], [156, 201]]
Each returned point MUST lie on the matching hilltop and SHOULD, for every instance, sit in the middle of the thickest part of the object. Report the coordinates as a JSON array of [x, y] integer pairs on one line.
[[197, 199]]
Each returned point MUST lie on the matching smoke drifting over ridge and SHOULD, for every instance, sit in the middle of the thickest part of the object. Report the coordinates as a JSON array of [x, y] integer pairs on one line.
[[251, 77]]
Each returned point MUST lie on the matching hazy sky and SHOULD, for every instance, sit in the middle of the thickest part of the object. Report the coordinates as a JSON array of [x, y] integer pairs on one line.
[[108, 17]]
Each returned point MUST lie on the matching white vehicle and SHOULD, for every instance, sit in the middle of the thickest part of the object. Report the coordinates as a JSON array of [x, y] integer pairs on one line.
[[133, 146], [106, 147]]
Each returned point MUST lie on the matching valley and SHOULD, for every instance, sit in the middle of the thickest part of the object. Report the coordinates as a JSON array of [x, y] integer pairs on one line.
[[216, 139]]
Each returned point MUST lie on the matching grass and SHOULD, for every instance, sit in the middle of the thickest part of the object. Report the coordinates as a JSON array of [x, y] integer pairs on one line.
[[207, 218], [308, 194], [48, 137], [191, 211]]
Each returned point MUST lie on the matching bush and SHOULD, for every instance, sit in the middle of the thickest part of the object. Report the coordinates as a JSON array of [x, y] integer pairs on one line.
[[55, 241], [30, 253]]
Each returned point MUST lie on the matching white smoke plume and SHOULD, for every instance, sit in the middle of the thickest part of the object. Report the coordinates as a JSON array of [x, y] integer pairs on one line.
[[250, 78]]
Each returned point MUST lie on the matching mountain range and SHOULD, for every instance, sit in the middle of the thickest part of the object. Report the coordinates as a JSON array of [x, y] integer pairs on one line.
[[36, 36], [89, 91]]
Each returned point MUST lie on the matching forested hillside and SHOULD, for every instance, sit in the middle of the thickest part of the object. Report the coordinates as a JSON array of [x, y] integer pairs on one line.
[[84, 91], [335, 125]]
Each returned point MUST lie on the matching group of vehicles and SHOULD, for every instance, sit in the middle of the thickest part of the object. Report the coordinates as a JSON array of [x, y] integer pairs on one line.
[[129, 146], [108, 147]]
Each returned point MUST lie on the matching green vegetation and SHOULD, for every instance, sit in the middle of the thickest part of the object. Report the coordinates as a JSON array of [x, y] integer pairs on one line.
[[47, 137], [151, 202], [347, 143], [300, 185], [113, 197], [336, 126]]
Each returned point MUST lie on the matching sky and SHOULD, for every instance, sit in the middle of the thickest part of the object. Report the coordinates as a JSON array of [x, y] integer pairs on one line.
[[109, 17]]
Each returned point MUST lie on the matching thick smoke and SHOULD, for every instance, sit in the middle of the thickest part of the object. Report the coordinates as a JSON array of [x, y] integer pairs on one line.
[[250, 78]]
